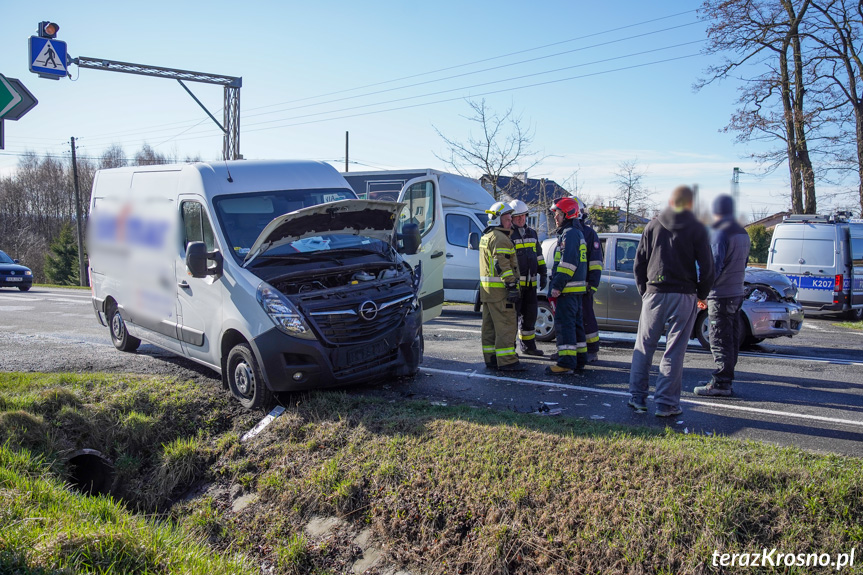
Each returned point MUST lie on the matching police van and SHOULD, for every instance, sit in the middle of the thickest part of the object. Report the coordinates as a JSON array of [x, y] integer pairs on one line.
[[272, 273], [823, 257]]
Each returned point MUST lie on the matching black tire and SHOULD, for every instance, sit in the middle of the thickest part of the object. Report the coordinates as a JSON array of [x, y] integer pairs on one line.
[[119, 334], [854, 314], [24, 288], [245, 379], [746, 337], [545, 330], [701, 331]]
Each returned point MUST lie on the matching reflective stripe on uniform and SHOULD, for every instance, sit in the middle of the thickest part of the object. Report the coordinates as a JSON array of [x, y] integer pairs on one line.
[[488, 349], [492, 282], [526, 335], [566, 268], [508, 251], [504, 351], [506, 274], [592, 337]]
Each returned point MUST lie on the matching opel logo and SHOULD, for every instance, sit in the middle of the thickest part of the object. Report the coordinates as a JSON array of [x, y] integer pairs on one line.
[[368, 310]]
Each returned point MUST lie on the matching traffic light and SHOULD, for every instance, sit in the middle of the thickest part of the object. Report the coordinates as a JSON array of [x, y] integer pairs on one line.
[[48, 29]]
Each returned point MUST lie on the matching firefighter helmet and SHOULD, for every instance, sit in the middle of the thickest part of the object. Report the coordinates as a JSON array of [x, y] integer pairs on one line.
[[518, 207], [569, 207], [496, 210]]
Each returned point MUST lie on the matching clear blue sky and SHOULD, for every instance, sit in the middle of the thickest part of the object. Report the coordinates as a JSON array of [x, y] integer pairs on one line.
[[586, 116]]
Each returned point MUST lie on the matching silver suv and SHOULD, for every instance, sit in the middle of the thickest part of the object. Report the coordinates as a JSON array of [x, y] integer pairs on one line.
[[770, 307]]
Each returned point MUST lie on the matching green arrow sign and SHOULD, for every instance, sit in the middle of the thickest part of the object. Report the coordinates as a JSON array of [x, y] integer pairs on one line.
[[9, 97]]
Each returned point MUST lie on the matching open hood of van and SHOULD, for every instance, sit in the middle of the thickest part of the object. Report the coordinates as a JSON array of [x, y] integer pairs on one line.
[[369, 218]]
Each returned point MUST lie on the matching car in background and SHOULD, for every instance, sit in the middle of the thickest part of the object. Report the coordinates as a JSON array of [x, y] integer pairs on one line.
[[770, 307], [13, 274]]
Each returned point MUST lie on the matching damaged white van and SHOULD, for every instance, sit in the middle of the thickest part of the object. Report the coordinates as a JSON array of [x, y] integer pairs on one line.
[[271, 273]]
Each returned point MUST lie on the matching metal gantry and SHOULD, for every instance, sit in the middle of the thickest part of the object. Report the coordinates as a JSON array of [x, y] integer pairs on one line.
[[231, 114]]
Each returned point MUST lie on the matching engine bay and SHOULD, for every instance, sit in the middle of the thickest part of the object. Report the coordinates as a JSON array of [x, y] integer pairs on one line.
[[330, 281]]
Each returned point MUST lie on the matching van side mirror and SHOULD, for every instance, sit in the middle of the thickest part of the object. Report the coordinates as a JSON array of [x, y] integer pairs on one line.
[[410, 238], [198, 258], [473, 241]]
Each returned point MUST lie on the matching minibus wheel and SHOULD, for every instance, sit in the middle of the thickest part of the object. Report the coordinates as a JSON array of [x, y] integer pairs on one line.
[[245, 380], [119, 334]]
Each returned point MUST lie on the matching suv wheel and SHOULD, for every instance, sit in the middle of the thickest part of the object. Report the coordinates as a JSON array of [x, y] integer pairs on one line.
[[119, 334], [701, 331], [245, 380], [545, 321]]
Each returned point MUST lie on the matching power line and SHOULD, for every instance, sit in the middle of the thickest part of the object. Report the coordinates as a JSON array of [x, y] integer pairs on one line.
[[448, 68], [511, 79], [601, 44]]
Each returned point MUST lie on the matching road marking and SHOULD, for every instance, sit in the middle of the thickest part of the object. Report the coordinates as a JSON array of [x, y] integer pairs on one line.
[[835, 361], [813, 326], [15, 308], [538, 383]]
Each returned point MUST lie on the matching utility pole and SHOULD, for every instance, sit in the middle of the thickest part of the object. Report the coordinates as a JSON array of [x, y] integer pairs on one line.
[[735, 185], [346, 151], [82, 270]]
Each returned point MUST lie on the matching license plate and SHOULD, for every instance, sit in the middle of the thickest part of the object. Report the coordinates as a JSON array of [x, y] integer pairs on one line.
[[366, 353], [14, 279]]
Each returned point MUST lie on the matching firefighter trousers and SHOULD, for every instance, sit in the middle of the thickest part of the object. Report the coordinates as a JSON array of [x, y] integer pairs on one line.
[[499, 326], [527, 310], [569, 324], [591, 328]]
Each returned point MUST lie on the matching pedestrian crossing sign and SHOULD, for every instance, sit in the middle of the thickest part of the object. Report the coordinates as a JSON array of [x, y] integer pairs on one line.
[[48, 57]]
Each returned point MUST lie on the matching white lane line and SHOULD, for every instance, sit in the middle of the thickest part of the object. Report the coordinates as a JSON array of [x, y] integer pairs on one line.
[[537, 383], [835, 361], [16, 308], [813, 326]]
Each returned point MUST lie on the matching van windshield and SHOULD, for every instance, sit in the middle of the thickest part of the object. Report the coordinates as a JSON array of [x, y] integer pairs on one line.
[[244, 216]]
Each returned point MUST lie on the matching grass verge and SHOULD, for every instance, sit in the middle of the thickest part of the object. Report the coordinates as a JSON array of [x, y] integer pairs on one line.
[[851, 324], [443, 490]]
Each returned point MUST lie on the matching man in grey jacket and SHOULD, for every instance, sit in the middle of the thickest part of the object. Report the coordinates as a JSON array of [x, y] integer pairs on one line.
[[730, 246]]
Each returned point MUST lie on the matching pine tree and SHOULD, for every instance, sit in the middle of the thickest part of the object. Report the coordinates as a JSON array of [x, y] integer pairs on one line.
[[61, 262]]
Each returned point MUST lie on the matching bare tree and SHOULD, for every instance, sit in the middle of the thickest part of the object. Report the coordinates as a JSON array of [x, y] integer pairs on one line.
[[502, 147], [633, 196], [765, 35], [837, 28]]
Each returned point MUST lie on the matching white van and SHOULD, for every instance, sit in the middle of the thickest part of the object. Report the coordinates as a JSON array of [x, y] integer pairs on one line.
[[823, 257], [272, 274], [464, 203]]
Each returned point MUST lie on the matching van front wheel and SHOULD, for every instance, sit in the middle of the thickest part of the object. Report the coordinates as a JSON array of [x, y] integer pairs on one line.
[[119, 334], [245, 380]]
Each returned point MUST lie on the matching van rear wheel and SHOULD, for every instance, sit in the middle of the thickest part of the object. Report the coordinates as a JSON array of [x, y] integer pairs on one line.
[[855, 314], [119, 334], [245, 380]]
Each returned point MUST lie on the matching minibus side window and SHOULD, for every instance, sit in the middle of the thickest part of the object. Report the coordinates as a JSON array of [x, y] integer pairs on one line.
[[196, 226]]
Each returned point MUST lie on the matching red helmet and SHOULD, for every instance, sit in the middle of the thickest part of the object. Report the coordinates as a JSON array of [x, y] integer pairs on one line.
[[569, 207]]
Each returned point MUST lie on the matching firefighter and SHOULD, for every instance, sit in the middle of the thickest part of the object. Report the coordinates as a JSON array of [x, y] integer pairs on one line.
[[594, 274], [568, 286], [499, 293], [530, 262]]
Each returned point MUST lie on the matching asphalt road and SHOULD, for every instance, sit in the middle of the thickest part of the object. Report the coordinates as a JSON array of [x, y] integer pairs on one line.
[[806, 391]]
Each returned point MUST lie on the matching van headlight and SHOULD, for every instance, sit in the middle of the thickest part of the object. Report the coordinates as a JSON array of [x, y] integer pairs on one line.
[[282, 312]]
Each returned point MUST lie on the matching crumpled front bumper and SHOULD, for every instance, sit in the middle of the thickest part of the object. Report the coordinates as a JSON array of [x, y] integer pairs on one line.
[[774, 319]]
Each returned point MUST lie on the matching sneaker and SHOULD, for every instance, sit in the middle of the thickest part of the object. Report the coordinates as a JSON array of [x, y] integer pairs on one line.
[[517, 366], [592, 357], [710, 390], [536, 352], [668, 411], [557, 370], [638, 405]]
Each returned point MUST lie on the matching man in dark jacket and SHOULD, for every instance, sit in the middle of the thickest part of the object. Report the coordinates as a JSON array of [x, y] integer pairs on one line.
[[730, 246], [673, 269]]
